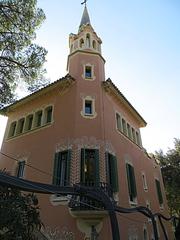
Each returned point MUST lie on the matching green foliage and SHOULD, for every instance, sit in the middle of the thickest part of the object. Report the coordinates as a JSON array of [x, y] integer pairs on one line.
[[20, 58], [19, 215], [170, 167]]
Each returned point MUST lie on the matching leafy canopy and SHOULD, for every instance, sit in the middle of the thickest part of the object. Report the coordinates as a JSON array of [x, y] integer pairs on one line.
[[170, 167], [20, 58], [19, 215]]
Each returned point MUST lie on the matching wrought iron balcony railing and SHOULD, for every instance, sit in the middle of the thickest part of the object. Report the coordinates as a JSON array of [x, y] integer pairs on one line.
[[83, 203]]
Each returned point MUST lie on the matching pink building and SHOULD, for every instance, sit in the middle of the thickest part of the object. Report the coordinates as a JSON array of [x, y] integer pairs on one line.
[[82, 129]]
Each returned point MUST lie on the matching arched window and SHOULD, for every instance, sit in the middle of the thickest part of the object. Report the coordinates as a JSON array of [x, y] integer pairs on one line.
[[94, 44], [88, 42], [71, 48], [81, 43]]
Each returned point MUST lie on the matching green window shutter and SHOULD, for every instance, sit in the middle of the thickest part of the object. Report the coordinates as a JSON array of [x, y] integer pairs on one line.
[[97, 167], [82, 165], [68, 169], [159, 193], [107, 168], [114, 169], [131, 181], [55, 171]]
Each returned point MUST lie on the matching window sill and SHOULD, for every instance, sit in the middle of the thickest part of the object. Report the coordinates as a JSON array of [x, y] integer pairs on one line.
[[34, 129], [58, 200], [88, 116]]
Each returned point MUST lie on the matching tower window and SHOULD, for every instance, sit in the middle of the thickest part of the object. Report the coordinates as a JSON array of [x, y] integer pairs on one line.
[[81, 44], [88, 107], [88, 72], [88, 41], [94, 44]]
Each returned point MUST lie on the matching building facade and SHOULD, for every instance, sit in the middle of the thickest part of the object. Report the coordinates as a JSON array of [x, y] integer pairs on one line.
[[81, 129]]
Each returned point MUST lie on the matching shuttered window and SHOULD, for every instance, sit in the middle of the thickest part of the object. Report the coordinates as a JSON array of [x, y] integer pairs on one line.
[[61, 173], [131, 182], [112, 171], [159, 193], [90, 167]]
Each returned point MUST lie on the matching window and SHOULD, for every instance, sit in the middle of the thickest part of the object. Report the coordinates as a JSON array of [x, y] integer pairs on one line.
[[90, 167], [48, 114], [94, 44], [20, 126], [88, 72], [88, 107], [133, 135], [159, 193], [118, 122], [12, 129], [144, 182], [124, 126], [61, 173], [38, 118], [20, 169], [145, 234], [29, 122], [88, 42], [137, 138], [131, 183], [81, 44], [112, 172], [129, 131]]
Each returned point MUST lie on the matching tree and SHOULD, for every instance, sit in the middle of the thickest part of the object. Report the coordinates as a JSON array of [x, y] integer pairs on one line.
[[20, 59], [170, 167], [19, 215]]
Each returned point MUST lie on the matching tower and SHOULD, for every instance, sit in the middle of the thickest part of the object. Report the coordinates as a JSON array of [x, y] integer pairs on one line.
[[82, 130]]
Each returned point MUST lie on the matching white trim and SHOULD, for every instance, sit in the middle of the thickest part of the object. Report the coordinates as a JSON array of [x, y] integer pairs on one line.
[[83, 113]]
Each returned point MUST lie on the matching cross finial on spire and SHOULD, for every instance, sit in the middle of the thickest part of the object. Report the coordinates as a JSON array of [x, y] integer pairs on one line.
[[84, 2]]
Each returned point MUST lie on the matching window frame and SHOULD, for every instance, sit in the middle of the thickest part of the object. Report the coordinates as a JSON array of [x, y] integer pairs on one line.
[[83, 111], [83, 163], [144, 181], [57, 168], [20, 169], [159, 192], [12, 129], [131, 184]]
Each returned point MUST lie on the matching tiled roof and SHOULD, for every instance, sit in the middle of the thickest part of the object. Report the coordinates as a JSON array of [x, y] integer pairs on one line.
[[109, 85], [67, 79]]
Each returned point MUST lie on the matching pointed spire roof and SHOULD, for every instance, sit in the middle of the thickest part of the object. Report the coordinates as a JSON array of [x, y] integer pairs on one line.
[[85, 17]]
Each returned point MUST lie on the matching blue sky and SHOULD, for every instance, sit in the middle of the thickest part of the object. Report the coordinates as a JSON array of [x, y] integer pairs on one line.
[[141, 45]]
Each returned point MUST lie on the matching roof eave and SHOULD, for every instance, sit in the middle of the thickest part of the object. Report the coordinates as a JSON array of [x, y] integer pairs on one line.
[[111, 88], [68, 80]]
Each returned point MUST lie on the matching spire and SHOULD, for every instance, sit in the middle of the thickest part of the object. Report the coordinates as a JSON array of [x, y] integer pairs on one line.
[[85, 17]]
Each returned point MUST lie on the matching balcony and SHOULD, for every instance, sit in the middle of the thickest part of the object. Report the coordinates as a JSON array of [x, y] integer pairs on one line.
[[89, 211]]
